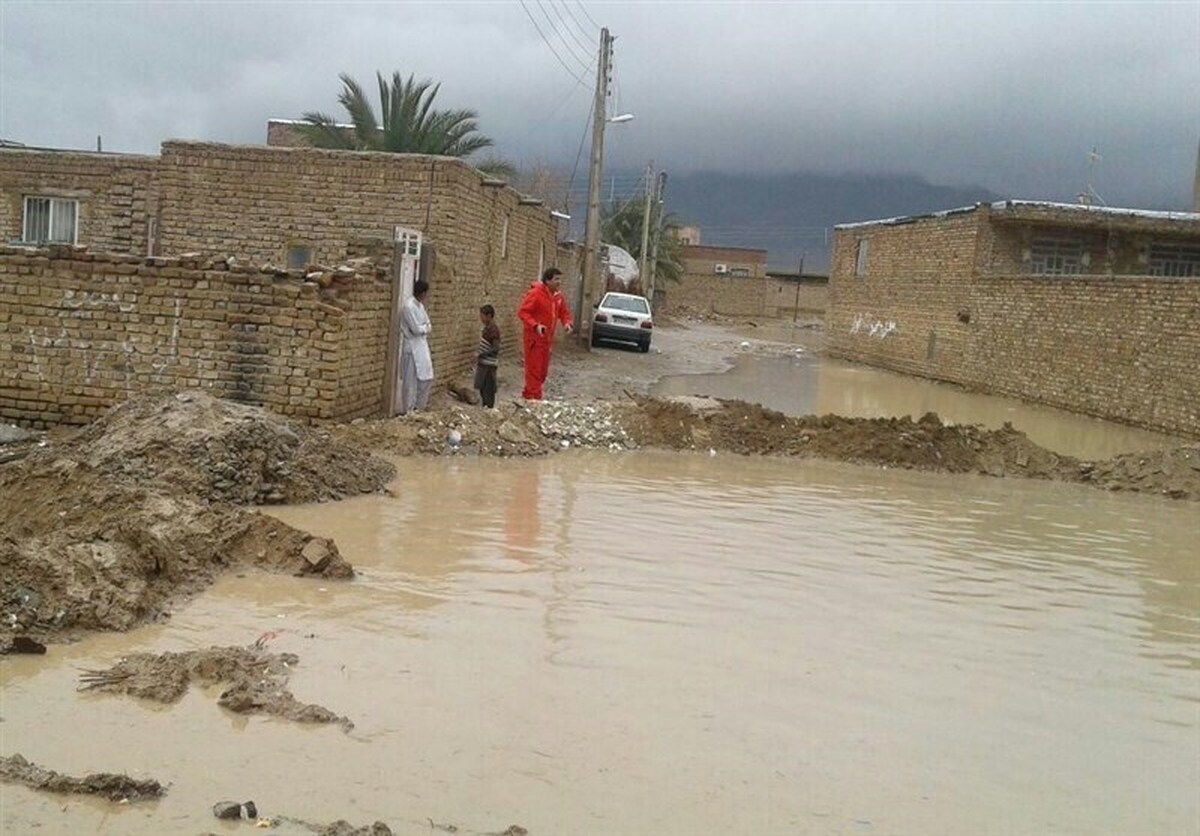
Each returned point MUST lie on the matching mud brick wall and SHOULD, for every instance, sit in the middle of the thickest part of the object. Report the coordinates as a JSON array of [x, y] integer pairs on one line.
[[781, 299], [80, 332], [1122, 348], [484, 245], [114, 192], [744, 296], [903, 312]]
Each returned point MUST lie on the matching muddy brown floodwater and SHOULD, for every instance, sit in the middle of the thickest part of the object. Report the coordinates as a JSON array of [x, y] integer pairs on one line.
[[804, 382], [659, 643]]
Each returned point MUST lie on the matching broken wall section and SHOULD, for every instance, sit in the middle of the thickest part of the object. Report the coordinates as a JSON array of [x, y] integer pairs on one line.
[[81, 331]]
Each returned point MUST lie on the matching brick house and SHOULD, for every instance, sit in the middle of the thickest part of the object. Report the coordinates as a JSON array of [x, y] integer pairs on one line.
[[273, 210], [1091, 309]]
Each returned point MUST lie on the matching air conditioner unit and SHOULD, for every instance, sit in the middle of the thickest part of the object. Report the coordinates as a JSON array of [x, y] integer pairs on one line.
[[721, 269]]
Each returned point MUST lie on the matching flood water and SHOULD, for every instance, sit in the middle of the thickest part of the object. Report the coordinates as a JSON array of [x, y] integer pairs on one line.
[[807, 383], [678, 644]]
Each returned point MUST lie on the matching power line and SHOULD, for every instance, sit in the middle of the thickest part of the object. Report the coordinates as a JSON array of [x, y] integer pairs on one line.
[[578, 154], [553, 28], [557, 57], [583, 9], [587, 48], [582, 29]]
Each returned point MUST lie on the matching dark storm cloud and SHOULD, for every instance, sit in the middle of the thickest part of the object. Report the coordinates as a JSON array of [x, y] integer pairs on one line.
[[1008, 96]]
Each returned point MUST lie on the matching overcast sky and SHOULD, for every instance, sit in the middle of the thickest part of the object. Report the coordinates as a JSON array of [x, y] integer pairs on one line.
[[1010, 96]]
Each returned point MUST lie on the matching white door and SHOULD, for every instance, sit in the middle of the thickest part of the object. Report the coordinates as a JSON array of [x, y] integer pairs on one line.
[[405, 267]]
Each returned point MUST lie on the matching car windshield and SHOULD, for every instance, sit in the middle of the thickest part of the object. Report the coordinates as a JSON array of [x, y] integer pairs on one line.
[[634, 304]]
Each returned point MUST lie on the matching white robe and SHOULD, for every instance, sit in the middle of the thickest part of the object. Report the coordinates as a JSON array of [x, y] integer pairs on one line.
[[415, 328]]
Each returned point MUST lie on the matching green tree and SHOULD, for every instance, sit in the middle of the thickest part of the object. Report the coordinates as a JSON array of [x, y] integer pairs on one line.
[[621, 224], [410, 124]]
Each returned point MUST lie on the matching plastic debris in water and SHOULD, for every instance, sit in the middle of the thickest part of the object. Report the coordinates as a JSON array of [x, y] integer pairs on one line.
[[745, 343], [564, 444], [455, 438]]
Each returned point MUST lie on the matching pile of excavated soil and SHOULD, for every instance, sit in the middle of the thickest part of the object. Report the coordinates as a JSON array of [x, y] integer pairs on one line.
[[927, 444], [1174, 472], [256, 681], [15, 769], [701, 423], [111, 526], [223, 451]]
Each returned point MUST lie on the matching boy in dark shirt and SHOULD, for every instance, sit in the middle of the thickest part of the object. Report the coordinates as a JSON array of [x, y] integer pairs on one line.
[[488, 356]]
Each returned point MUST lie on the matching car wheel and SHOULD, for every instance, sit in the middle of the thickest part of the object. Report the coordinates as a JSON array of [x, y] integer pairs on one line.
[[644, 345], [595, 340]]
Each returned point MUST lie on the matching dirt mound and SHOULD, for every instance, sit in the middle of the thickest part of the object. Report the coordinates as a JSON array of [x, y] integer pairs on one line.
[[16, 770], [110, 527], [926, 444], [222, 451], [256, 680], [1174, 472]]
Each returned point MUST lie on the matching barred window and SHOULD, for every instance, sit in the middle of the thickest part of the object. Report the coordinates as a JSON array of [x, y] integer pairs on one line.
[[1175, 260], [1057, 256], [50, 220]]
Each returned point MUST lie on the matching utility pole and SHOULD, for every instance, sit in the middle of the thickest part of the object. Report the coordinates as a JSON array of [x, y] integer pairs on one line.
[[799, 279], [660, 190], [591, 239], [643, 253]]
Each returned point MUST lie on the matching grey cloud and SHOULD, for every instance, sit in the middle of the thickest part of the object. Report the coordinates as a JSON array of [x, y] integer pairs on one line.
[[1008, 96]]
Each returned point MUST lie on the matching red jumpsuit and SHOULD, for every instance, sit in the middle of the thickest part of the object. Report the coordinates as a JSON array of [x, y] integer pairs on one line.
[[545, 307]]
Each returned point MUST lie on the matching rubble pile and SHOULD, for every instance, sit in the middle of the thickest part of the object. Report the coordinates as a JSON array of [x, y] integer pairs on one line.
[[597, 424]]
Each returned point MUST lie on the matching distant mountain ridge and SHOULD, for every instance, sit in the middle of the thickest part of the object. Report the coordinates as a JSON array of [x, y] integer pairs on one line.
[[790, 214]]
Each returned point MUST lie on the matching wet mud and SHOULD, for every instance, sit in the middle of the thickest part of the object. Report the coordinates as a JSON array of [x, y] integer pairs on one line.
[[120, 521], [14, 769], [704, 424], [255, 681]]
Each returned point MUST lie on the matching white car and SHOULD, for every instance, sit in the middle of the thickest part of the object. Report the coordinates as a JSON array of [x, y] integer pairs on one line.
[[623, 317]]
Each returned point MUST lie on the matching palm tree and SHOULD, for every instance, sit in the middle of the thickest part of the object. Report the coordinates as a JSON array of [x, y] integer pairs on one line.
[[621, 224], [410, 124]]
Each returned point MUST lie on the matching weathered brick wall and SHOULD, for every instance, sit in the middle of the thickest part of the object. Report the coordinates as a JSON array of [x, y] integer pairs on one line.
[[745, 296], [726, 295], [256, 202], [114, 193], [1124, 348], [80, 332], [903, 312], [703, 260], [782, 298]]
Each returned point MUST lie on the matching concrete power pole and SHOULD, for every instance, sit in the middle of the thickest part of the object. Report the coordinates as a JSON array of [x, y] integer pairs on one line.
[[660, 193], [591, 239], [643, 253]]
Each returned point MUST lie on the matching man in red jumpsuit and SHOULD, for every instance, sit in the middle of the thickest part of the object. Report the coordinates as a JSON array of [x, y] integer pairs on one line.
[[541, 310]]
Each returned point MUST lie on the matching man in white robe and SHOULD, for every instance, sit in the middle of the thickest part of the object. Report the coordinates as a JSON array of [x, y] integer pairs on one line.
[[416, 363]]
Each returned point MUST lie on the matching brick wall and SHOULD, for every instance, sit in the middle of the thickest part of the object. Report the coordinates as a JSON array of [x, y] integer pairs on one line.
[[114, 193], [80, 332], [703, 260], [484, 244], [741, 296], [257, 201], [930, 303], [1124, 347]]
